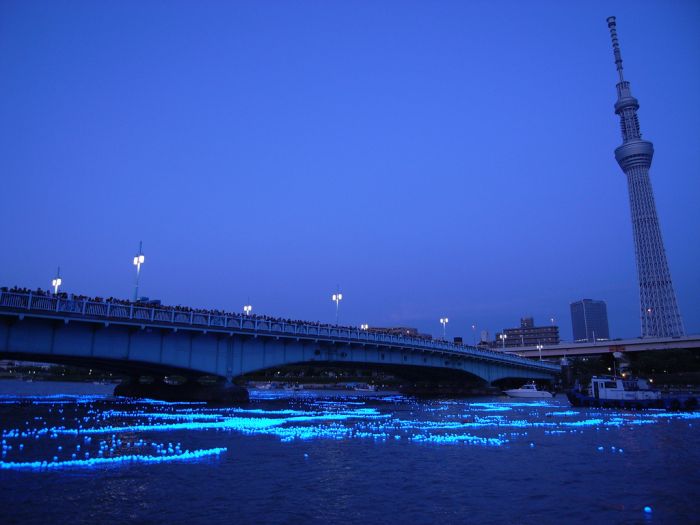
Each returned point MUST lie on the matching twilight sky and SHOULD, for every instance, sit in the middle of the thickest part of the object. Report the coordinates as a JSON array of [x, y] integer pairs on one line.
[[431, 158]]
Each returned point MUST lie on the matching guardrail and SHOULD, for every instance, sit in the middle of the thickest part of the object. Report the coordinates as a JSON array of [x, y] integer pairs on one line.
[[80, 307]]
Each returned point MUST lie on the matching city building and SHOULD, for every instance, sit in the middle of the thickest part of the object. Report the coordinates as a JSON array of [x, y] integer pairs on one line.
[[589, 320], [484, 336], [527, 335], [659, 313]]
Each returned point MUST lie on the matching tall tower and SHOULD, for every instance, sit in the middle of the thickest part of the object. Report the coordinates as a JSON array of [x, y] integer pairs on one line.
[[659, 312]]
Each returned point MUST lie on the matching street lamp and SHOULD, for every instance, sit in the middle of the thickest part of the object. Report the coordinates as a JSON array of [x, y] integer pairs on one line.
[[336, 298], [443, 322], [57, 281], [364, 327], [503, 338], [247, 309], [474, 332], [138, 261], [539, 349]]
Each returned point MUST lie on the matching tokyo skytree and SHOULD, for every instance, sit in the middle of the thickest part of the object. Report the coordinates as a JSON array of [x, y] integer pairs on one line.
[[659, 312]]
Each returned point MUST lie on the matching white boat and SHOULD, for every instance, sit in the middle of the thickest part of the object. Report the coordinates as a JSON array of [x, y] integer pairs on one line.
[[628, 393], [527, 390]]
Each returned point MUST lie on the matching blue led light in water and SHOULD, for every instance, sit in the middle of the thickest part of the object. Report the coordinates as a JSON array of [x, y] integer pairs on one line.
[[583, 423], [135, 458], [437, 423], [458, 438]]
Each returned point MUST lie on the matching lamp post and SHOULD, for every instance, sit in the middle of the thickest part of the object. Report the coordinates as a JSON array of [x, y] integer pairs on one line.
[[503, 338], [57, 281], [336, 298], [474, 332], [138, 261], [364, 327], [443, 322], [247, 309], [539, 349]]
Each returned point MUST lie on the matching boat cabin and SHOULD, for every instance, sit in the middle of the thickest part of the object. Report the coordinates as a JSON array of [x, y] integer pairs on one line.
[[622, 389]]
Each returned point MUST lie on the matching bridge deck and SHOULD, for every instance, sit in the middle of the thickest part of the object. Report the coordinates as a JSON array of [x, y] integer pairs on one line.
[[80, 308]]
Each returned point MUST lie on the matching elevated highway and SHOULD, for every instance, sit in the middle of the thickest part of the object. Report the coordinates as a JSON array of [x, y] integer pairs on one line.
[[640, 344]]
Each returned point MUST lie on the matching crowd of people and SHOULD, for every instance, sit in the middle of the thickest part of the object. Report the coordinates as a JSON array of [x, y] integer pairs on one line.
[[183, 309], [186, 309]]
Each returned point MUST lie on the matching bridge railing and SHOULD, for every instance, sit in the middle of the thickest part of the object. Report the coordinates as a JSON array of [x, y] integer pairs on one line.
[[12, 300], [81, 306]]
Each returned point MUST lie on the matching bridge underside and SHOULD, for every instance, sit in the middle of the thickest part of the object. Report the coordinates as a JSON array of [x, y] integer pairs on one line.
[[117, 367], [135, 349], [408, 373]]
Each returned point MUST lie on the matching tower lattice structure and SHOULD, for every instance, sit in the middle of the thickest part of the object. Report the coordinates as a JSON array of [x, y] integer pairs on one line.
[[659, 312]]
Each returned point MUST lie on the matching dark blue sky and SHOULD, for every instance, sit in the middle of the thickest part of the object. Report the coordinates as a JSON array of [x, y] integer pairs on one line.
[[432, 158]]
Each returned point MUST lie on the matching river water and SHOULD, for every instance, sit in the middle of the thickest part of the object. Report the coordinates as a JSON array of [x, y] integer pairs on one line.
[[74, 454]]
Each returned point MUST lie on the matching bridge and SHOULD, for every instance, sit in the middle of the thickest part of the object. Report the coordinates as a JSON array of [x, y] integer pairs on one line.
[[639, 344], [137, 339]]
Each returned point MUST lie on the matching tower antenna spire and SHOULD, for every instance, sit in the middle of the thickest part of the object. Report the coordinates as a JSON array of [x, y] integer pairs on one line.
[[659, 313], [612, 25]]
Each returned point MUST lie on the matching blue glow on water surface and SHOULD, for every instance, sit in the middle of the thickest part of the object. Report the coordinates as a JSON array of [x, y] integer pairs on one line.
[[327, 447], [95, 462], [74, 432]]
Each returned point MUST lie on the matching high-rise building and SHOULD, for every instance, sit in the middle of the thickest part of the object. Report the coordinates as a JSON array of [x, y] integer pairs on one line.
[[527, 335], [658, 308], [589, 320]]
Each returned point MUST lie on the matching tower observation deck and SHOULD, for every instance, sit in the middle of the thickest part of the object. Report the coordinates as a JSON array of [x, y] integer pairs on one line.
[[659, 312]]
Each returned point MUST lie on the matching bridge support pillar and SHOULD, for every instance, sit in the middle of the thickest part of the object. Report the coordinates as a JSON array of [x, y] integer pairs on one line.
[[192, 390]]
